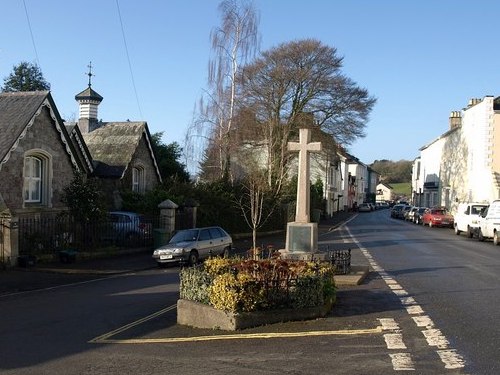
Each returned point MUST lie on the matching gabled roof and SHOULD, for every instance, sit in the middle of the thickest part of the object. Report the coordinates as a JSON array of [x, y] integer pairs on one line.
[[113, 145], [79, 143], [18, 111], [386, 185]]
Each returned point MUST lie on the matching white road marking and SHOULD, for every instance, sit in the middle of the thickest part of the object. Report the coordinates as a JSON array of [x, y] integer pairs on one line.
[[394, 341], [414, 310], [434, 337], [402, 362], [388, 324], [451, 359]]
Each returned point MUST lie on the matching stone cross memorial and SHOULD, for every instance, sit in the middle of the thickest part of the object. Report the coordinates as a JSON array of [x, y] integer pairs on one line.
[[302, 235]]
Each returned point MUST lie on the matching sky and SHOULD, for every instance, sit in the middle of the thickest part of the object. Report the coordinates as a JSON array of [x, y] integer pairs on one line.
[[420, 59]]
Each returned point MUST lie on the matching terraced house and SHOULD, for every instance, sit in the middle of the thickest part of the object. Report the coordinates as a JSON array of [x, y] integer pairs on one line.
[[463, 164]]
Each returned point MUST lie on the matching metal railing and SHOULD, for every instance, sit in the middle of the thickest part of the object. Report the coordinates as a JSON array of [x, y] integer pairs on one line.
[[50, 235]]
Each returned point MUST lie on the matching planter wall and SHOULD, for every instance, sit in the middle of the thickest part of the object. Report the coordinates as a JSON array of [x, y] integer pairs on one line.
[[198, 315]]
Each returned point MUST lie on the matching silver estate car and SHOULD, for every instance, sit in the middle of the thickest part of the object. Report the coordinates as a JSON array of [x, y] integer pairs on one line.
[[192, 245]]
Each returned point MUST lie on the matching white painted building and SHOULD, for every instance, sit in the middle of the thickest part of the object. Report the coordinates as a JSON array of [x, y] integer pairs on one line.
[[463, 164]]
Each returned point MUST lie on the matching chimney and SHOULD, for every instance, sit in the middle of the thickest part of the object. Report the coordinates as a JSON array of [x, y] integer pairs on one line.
[[455, 119], [473, 102]]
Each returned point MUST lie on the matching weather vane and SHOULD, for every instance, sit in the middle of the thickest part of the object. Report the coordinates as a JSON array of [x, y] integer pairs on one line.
[[90, 73]]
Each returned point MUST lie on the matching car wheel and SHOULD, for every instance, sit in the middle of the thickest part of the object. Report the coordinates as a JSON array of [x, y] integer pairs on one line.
[[470, 233], [457, 232], [193, 258], [226, 252], [496, 240], [480, 236]]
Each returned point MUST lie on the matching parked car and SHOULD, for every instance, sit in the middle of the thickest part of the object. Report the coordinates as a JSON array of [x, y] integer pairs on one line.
[[468, 217], [364, 207], [192, 245], [410, 213], [437, 217], [489, 223], [417, 216], [396, 209], [127, 228]]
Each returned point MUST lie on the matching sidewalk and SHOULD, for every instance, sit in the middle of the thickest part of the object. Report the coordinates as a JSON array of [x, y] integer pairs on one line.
[[40, 276]]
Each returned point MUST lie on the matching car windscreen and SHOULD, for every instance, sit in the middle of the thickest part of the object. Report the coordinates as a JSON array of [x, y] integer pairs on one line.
[[185, 236]]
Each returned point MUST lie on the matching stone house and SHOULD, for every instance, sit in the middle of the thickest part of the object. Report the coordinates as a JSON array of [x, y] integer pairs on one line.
[[37, 156], [121, 152]]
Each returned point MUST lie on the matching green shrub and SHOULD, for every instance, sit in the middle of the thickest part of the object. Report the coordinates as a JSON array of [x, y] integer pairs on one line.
[[238, 285]]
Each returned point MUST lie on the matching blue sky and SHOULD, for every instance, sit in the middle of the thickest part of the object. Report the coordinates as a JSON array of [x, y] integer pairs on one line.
[[421, 59]]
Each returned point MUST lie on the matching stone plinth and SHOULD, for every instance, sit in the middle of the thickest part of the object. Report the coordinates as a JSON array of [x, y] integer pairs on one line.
[[301, 237]]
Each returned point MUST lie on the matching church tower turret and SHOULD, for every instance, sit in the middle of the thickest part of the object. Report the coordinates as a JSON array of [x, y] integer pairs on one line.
[[88, 100]]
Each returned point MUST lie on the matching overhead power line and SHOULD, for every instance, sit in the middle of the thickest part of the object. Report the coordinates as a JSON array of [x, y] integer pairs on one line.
[[31, 33], [128, 59]]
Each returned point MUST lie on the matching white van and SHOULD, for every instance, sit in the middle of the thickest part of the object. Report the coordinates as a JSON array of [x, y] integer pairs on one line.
[[489, 225], [467, 218]]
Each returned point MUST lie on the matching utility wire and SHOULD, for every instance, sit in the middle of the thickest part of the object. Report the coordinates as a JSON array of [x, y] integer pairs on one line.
[[31, 33], [128, 59]]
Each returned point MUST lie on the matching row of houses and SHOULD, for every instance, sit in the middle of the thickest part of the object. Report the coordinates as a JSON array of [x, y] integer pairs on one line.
[[463, 164], [347, 182]]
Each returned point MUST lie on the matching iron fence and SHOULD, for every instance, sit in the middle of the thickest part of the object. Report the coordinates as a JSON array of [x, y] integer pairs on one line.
[[52, 234]]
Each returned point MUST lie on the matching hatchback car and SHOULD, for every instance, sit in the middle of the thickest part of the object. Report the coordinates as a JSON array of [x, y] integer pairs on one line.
[[129, 228], [417, 216], [364, 207], [396, 210], [191, 245], [437, 217]]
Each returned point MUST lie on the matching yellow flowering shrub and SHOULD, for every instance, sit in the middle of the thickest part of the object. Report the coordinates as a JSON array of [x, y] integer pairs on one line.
[[237, 285]]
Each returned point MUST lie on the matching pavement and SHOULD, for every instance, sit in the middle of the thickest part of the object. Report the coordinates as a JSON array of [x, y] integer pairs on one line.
[[47, 275]]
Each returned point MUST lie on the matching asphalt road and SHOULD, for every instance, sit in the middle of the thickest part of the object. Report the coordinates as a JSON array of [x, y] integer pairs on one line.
[[427, 306]]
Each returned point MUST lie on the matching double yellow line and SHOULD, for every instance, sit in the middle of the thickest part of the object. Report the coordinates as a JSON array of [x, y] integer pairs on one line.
[[107, 337]]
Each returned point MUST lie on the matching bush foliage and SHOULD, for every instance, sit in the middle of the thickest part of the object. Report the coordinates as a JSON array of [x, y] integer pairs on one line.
[[243, 285]]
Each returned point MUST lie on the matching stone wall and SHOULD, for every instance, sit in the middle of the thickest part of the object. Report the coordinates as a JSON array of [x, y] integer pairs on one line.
[[42, 135]]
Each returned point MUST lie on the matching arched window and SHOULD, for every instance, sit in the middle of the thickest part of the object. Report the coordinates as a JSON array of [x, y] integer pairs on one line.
[[36, 175], [138, 179], [32, 179]]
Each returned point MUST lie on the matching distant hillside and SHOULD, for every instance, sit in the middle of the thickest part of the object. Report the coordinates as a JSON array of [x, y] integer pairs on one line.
[[402, 189], [393, 172]]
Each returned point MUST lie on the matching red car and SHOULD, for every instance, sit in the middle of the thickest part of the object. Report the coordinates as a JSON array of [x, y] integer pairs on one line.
[[437, 217]]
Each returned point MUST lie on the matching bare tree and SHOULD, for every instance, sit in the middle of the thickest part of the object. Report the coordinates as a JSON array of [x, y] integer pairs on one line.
[[255, 201], [234, 43], [299, 84]]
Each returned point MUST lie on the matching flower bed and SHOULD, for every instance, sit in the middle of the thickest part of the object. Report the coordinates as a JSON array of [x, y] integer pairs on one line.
[[237, 288]]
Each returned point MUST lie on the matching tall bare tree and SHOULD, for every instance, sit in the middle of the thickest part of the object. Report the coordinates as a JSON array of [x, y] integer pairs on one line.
[[299, 84], [234, 43]]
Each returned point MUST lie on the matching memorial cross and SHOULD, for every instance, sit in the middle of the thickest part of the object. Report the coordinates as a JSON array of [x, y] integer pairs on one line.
[[304, 147]]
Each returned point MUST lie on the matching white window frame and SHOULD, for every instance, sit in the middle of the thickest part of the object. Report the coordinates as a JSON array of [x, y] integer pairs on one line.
[[33, 178], [37, 178], [138, 179]]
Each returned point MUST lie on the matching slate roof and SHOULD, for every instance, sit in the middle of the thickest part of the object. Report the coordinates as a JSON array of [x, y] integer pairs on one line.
[[89, 94], [16, 111], [113, 145]]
